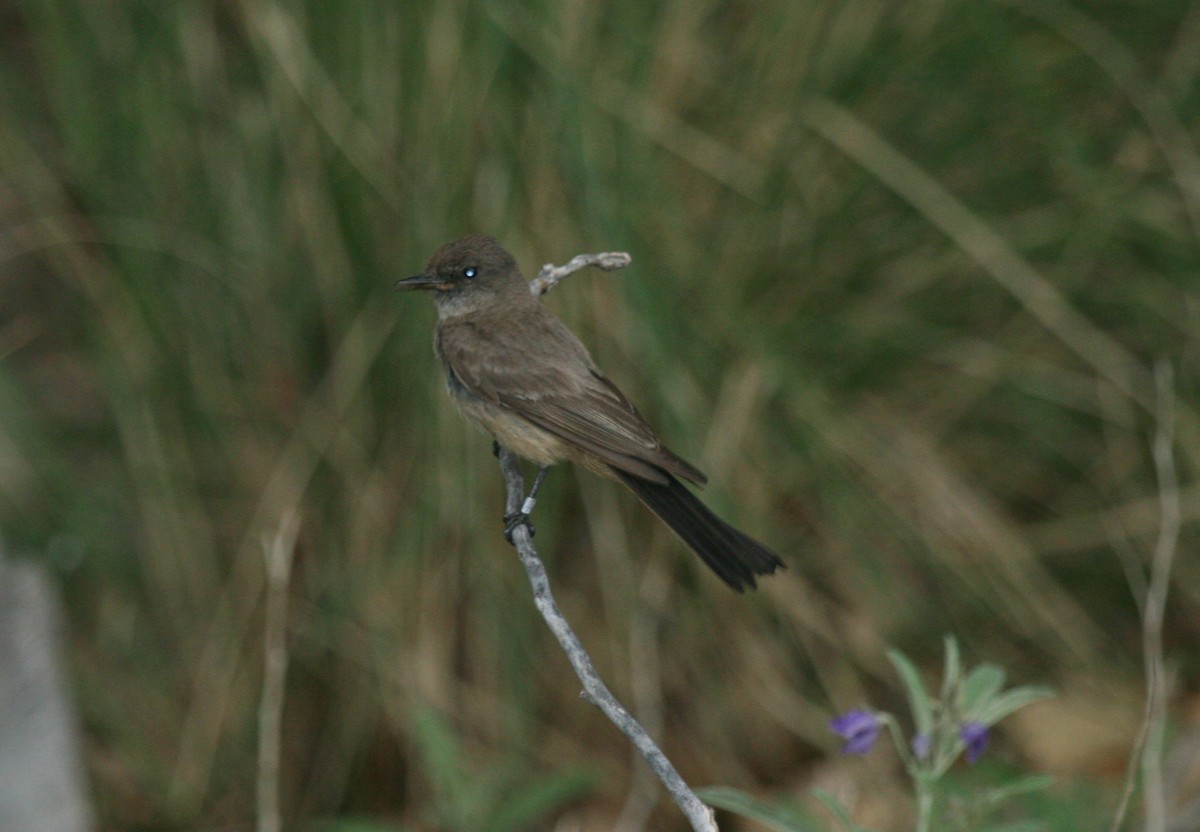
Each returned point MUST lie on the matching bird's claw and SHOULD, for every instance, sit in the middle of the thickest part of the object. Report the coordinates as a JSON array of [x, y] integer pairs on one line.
[[511, 521]]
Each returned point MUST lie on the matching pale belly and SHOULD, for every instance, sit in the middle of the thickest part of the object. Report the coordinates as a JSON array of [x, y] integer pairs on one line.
[[526, 440]]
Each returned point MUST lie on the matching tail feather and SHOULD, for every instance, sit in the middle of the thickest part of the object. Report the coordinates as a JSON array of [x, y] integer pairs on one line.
[[735, 557]]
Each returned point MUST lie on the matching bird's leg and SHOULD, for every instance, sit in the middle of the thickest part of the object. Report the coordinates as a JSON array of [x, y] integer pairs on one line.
[[518, 518], [496, 448]]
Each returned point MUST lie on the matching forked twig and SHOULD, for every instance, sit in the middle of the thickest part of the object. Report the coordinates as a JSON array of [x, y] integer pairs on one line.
[[550, 274]]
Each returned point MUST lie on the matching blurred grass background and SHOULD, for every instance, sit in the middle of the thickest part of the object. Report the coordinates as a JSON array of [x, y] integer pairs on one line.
[[900, 276]]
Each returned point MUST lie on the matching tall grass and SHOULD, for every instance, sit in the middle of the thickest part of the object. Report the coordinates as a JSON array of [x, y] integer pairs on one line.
[[900, 274]]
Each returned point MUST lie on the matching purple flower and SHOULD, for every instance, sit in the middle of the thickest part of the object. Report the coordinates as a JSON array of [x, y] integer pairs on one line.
[[858, 728], [920, 746], [975, 737]]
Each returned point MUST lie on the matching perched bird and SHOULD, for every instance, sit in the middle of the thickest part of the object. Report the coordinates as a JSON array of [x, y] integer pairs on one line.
[[515, 369]]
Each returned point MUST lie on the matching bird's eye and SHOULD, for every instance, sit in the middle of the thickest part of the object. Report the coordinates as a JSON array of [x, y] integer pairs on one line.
[[469, 272]]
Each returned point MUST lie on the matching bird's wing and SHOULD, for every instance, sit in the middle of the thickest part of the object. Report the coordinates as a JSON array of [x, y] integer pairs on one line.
[[553, 382], [599, 419]]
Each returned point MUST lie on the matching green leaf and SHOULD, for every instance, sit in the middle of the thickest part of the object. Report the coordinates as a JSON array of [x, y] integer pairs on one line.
[[951, 668], [1023, 785], [438, 747], [1010, 701], [979, 688], [355, 824], [528, 804], [918, 699], [832, 804], [1020, 826], [779, 818], [462, 798]]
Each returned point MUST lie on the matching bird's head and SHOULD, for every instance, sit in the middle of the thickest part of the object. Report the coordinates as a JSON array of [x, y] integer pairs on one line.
[[473, 266]]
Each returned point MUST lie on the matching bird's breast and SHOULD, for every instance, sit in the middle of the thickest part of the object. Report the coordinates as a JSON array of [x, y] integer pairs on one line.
[[513, 431]]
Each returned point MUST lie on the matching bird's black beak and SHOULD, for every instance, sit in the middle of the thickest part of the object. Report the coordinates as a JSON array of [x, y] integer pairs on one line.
[[419, 281]]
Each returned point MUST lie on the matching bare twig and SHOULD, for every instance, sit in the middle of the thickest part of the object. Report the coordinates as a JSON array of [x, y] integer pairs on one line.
[[551, 274], [594, 690], [278, 555], [1148, 747]]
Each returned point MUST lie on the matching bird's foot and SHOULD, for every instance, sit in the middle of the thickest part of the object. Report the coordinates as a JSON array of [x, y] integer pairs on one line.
[[516, 518]]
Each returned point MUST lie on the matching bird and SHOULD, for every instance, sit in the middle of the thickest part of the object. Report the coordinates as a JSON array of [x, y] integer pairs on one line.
[[514, 369]]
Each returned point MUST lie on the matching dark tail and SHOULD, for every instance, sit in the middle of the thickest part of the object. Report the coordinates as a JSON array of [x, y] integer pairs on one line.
[[735, 557]]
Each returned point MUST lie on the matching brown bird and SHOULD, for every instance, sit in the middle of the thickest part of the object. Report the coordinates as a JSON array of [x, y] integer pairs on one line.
[[514, 369]]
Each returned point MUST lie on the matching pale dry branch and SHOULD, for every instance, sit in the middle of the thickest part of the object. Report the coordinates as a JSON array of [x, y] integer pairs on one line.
[[550, 274], [594, 690]]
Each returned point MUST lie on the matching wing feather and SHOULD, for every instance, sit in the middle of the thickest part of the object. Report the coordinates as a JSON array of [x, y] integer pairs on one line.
[[542, 372]]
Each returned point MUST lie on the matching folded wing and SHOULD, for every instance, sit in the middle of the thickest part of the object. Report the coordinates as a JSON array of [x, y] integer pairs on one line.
[[550, 379]]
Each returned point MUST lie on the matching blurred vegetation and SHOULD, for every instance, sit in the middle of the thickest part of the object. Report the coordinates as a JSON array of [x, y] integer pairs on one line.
[[901, 272]]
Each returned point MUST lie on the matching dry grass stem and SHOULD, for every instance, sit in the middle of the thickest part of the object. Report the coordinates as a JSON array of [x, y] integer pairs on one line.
[[980, 241], [1148, 748], [278, 553]]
